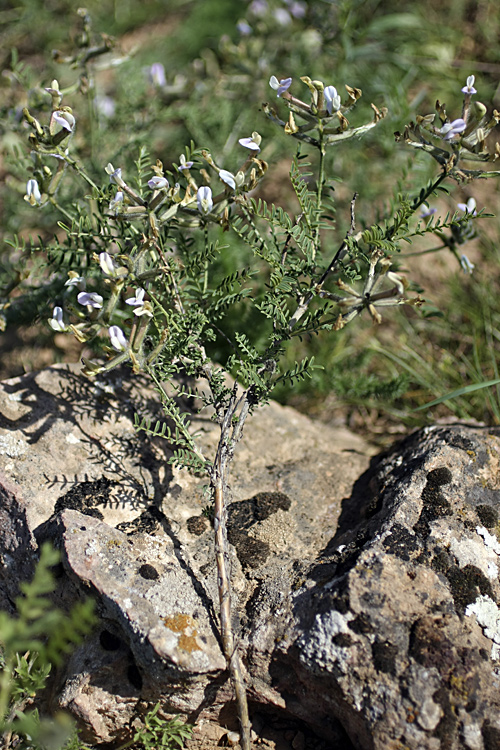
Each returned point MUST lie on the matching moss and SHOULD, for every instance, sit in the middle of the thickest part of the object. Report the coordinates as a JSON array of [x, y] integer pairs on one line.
[[384, 657], [85, 496], [148, 572], [197, 525], [435, 504], [487, 515], [466, 584]]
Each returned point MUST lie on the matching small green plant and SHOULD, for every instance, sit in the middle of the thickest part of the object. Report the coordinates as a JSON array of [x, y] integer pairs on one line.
[[157, 732], [37, 638]]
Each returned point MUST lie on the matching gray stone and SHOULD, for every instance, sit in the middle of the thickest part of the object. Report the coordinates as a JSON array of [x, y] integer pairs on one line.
[[366, 589]]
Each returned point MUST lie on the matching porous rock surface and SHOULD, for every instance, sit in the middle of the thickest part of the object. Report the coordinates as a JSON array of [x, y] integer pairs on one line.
[[366, 588]]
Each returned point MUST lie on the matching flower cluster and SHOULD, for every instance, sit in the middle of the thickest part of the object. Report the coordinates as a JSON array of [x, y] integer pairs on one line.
[[453, 141], [325, 107], [48, 140]]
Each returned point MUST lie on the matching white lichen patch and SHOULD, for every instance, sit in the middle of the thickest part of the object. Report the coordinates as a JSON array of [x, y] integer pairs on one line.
[[468, 551], [489, 540], [481, 550], [488, 616], [72, 439], [12, 447]]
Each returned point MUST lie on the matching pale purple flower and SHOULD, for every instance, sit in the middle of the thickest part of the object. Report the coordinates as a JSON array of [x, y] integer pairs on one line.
[[115, 175], [105, 106], [90, 299], [64, 119], [469, 207], [138, 300], [467, 266], [184, 164], [282, 16], [280, 86], [258, 8], [469, 87], [54, 90], [56, 322], [332, 99], [157, 75], [426, 212], [228, 178], [204, 199], [157, 183], [117, 202], [244, 27], [118, 340], [75, 280], [141, 306], [297, 9], [107, 265], [451, 129], [253, 142], [33, 195]]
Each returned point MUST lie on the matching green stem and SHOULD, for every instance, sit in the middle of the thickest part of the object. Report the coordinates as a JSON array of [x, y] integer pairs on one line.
[[61, 209], [321, 180], [73, 163]]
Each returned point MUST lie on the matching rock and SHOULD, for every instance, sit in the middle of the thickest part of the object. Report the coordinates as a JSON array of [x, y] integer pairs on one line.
[[398, 624], [366, 588], [133, 534]]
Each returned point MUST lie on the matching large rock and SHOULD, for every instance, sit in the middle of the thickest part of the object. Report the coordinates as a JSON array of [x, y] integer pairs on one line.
[[133, 534], [366, 591]]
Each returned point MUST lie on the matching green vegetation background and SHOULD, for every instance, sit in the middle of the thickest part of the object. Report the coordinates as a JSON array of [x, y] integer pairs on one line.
[[403, 56]]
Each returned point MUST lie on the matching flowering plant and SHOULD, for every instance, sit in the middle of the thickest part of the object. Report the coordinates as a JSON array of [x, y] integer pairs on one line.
[[143, 279]]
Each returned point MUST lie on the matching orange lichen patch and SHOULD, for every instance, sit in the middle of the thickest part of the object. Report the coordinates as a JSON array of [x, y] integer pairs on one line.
[[185, 625]]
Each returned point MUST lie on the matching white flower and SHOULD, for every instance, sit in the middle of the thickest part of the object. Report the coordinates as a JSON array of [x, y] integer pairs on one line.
[[105, 106], [253, 143], [469, 207], [54, 90], [115, 175], [280, 86], [117, 202], [156, 75], [141, 306], [204, 199], [258, 7], [451, 129], [282, 16], [138, 299], [426, 211], [184, 164], [157, 183], [467, 266], [118, 340], [64, 119], [33, 195], [228, 178], [90, 299], [297, 9], [75, 280], [56, 322], [332, 99], [107, 265], [244, 27], [469, 87]]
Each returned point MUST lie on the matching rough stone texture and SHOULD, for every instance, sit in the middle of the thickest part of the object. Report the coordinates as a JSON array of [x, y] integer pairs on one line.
[[398, 619], [367, 591], [133, 535]]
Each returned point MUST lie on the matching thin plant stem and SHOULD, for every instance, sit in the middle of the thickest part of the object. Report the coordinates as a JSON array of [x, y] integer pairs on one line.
[[319, 198], [231, 432]]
